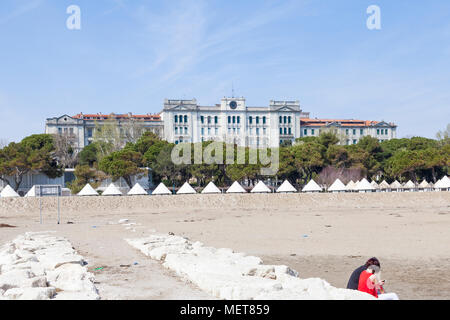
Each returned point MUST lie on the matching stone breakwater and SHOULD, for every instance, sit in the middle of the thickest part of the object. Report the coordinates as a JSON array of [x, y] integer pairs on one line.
[[40, 266], [234, 276], [105, 204]]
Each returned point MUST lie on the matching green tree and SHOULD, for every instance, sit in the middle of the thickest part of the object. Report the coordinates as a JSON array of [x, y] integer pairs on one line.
[[122, 164], [33, 153]]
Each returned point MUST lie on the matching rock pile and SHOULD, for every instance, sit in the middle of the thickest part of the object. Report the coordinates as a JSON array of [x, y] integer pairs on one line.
[[234, 276], [40, 266]]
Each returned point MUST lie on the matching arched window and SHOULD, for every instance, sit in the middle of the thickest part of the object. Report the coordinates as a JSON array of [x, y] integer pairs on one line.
[[289, 119], [281, 119], [202, 119], [264, 120], [229, 119], [185, 119], [176, 118], [234, 119], [257, 120], [285, 119], [209, 119], [216, 119], [250, 120], [238, 119]]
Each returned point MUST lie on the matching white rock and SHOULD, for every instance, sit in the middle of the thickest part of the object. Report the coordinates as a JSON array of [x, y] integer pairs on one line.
[[30, 293], [229, 275]]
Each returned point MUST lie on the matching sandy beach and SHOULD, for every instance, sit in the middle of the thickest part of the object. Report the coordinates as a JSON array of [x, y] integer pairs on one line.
[[319, 235]]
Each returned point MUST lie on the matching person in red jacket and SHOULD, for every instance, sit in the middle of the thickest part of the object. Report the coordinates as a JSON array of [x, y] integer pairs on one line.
[[369, 282]]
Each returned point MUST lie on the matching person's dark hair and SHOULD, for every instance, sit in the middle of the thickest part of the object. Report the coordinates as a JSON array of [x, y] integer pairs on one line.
[[373, 261]]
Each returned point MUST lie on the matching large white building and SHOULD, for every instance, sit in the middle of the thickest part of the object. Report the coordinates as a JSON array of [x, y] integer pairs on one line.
[[81, 127], [232, 121]]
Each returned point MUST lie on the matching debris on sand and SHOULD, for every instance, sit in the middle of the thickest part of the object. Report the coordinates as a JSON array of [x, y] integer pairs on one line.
[[4, 225]]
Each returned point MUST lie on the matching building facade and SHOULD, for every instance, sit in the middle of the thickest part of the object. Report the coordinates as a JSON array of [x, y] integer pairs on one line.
[[232, 121], [349, 131], [80, 128]]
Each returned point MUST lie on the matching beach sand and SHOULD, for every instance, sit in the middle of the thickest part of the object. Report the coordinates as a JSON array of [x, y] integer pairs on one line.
[[319, 235]]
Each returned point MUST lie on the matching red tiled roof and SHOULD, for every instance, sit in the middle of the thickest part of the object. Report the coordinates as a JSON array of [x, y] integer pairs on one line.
[[344, 123], [98, 116]]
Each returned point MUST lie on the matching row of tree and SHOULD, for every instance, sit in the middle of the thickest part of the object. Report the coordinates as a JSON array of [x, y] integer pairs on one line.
[[321, 158]]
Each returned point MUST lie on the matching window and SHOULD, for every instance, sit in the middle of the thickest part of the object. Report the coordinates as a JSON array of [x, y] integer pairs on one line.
[[176, 118], [361, 131], [257, 120], [281, 130], [229, 130], [60, 130], [250, 120], [386, 131], [176, 130], [209, 131], [285, 119], [185, 119], [348, 141], [238, 119], [354, 131], [216, 119], [264, 120], [257, 131], [346, 131], [202, 119], [354, 141], [185, 130], [312, 131], [89, 133], [234, 130], [305, 132], [285, 131], [203, 131], [378, 131], [238, 130], [281, 119], [234, 119], [264, 131], [209, 119], [216, 131], [229, 119], [289, 130], [289, 119]]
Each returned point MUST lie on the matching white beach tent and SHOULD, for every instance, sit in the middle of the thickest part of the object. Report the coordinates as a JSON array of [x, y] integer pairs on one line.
[[8, 192], [31, 192], [286, 187], [337, 186], [350, 186], [384, 186], [161, 189], [410, 186], [236, 188], [364, 186], [211, 188], [112, 190], [424, 186], [137, 190], [443, 184], [260, 188], [186, 189], [375, 185], [312, 186], [88, 191], [396, 186]]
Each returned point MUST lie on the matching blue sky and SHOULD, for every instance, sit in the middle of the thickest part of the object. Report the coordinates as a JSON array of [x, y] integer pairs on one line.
[[131, 54]]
